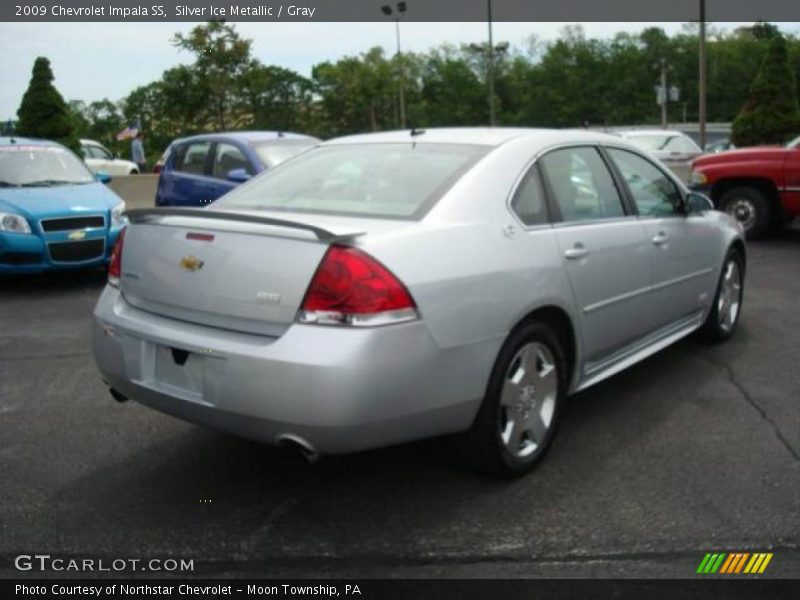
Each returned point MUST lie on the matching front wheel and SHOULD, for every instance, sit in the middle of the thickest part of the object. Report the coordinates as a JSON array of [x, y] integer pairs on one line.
[[724, 315], [517, 420]]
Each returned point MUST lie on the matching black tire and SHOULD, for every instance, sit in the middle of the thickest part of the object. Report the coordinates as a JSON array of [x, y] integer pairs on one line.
[[751, 207], [133, 172], [483, 444], [713, 329]]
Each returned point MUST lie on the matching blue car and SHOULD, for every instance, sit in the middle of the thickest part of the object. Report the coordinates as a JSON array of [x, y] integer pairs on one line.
[[202, 168], [54, 213]]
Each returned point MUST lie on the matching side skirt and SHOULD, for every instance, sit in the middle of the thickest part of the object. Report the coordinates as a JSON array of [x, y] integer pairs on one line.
[[622, 359]]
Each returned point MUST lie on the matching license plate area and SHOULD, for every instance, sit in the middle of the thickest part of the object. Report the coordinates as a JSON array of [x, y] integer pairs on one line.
[[180, 371]]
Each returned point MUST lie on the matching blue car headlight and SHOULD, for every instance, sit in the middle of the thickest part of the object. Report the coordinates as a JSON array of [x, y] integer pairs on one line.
[[14, 223], [118, 218]]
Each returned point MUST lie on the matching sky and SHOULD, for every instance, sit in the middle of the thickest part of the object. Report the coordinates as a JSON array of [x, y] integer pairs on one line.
[[92, 61]]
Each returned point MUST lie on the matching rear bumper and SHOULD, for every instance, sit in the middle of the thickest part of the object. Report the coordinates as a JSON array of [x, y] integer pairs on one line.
[[340, 390]]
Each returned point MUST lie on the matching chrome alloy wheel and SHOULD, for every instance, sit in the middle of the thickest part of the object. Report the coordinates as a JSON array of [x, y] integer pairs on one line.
[[730, 296], [743, 210], [528, 399]]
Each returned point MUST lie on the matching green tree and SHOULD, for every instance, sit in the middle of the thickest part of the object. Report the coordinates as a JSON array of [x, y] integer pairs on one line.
[[43, 112], [771, 114], [221, 58]]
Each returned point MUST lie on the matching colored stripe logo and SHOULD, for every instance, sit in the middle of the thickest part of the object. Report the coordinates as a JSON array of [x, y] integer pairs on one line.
[[734, 563]]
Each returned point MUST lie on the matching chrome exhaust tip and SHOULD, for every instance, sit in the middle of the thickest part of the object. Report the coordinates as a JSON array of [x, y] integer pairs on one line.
[[306, 450]]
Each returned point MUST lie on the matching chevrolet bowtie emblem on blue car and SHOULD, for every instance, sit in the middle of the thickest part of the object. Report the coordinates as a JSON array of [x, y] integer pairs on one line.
[[191, 263], [77, 235]]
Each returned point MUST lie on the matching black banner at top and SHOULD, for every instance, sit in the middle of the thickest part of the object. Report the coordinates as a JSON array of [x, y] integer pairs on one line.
[[416, 10]]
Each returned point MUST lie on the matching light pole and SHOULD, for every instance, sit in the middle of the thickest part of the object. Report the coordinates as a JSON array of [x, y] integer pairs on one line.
[[701, 74], [401, 9], [490, 51]]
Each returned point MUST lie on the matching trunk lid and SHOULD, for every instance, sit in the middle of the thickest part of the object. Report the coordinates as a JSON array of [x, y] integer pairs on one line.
[[243, 271]]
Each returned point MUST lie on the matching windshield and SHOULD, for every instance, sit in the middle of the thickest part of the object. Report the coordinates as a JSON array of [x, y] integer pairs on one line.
[[374, 180], [272, 154], [22, 165], [651, 142], [794, 143]]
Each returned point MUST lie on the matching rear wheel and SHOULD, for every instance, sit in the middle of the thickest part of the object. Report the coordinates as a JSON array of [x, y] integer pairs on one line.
[[724, 315], [517, 420], [751, 207]]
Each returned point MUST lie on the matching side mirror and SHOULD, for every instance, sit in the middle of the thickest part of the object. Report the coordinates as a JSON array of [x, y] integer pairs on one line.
[[698, 203], [102, 177], [238, 175]]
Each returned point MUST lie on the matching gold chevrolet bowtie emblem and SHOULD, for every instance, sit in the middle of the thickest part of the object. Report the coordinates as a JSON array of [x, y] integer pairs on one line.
[[191, 263], [77, 235]]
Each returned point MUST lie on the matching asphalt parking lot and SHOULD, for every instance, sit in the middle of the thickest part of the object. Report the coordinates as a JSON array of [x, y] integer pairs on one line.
[[695, 450]]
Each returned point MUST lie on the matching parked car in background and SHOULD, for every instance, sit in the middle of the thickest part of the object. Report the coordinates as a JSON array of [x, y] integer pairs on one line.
[[54, 213], [100, 159], [720, 146], [673, 148], [201, 168], [388, 287], [759, 186]]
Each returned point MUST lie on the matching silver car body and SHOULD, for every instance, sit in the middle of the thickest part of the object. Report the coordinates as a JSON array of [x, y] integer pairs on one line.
[[628, 287]]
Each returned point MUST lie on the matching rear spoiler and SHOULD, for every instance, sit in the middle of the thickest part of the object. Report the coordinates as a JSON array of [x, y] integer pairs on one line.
[[141, 215]]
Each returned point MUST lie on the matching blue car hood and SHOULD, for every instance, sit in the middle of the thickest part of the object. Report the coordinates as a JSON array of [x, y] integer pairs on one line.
[[39, 202]]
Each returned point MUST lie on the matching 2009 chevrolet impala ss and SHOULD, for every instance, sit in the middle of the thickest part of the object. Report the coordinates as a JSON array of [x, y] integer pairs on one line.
[[388, 287]]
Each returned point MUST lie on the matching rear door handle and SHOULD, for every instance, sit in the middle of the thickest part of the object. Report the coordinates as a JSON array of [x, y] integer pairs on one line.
[[660, 238], [578, 251]]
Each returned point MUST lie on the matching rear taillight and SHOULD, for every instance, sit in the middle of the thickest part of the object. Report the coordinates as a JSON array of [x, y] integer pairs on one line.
[[352, 288], [115, 264]]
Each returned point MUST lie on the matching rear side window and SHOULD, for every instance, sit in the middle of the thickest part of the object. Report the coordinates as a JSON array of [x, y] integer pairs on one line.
[[581, 184], [228, 157], [528, 202], [392, 180], [191, 158]]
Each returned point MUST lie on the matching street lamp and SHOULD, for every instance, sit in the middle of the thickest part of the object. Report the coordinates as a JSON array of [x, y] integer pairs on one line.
[[490, 50], [701, 75], [401, 9]]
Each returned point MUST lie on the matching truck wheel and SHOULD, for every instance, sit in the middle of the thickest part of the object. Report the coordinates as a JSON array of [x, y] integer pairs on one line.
[[750, 207], [520, 413]]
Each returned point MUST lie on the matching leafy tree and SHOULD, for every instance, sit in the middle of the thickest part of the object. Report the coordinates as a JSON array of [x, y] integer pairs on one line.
[[771, 114], [43, 112], [221, 58]]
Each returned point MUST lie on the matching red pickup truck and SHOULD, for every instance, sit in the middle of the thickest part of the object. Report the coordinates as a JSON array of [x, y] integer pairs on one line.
[[759, 186]]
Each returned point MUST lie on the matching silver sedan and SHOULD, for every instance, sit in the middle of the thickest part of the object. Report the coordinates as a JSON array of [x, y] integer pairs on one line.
[[389, 287]]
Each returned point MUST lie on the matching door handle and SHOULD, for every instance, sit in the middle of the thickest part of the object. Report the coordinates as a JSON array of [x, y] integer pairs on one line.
[[660, 238], [577, 251]]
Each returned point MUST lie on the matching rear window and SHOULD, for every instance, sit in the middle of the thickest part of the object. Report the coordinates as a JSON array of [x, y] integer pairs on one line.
[[400, 181]]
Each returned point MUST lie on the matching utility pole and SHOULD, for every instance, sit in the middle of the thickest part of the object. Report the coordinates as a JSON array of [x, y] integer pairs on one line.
[[701, 73], [492, 119], [664, 93]]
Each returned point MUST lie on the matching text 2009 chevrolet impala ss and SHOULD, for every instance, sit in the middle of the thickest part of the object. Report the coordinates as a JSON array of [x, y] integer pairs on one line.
[[388, 287]]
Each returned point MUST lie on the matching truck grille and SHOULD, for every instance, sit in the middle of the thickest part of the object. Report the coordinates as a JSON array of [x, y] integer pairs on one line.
[[71, 223], [76, 251]]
